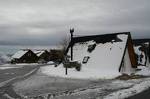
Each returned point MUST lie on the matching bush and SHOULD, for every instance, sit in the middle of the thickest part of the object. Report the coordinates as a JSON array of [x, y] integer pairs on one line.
[[78, 67], [73, 64]]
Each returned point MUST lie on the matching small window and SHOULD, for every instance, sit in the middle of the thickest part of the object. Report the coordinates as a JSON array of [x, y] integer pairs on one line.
[[29, 54], [85, 59], [91, 48]]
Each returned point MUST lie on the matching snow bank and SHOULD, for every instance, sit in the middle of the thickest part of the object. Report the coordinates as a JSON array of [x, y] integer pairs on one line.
[[145, 71], [86, 73]]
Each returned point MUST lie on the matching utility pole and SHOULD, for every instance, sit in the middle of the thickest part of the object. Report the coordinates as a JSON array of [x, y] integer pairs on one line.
[[71, 32]]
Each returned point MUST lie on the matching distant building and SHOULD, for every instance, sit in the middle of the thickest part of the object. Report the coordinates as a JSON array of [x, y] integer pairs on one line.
[[43, 55], [24, 56]]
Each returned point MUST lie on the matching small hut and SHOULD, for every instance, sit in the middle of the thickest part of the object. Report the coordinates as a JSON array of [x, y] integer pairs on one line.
[[24, 56], [43, 55]]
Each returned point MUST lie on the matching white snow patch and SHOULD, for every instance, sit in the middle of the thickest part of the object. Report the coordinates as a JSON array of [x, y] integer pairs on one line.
[[38, 52], [123, 37], [86, 73], [145, 71], [50, 62], [2, 68], [141, 60]]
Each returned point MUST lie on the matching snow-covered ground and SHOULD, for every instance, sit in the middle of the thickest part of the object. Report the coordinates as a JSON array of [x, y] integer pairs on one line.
[[144, 70], [137, 88], [99, 89], [86, 73], [73, 73], [116, 89]]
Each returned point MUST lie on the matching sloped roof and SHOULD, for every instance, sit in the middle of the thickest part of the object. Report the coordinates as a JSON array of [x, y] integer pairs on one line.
[[103, 38], [140, 41], [106, 58], [19, 54]]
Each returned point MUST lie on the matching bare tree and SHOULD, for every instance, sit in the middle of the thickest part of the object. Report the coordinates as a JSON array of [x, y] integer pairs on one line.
[[64, 43]]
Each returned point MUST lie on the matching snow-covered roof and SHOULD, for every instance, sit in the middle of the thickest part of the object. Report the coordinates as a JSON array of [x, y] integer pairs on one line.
[[38, 52], [19, 54], [105, 59]]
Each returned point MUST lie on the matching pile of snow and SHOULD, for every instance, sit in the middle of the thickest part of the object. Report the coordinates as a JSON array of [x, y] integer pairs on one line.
[[4, 59], [50, 62], [104, 61], [145, 71]]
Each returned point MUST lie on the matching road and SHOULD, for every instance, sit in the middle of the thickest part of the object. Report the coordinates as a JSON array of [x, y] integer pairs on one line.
[[9, 76], [6, 74], [143, 95]]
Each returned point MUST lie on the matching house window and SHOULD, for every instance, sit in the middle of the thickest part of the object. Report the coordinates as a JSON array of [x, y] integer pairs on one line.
[[29, 54], [91, 48], [85, 59]]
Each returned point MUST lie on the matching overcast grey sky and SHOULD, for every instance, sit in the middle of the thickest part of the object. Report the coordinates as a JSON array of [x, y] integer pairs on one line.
[[48, 21]]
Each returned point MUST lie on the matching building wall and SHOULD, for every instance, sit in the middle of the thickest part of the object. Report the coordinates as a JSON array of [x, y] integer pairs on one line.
[[127, 66], [29, 57], [131, 52], [45, 56]]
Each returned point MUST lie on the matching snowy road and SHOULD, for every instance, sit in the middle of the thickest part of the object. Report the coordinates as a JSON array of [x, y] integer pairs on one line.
[[101, 89], [11, 74], [143, 95]]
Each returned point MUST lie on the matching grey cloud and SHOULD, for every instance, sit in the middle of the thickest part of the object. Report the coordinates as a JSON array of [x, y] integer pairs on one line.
[[48, 21]]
